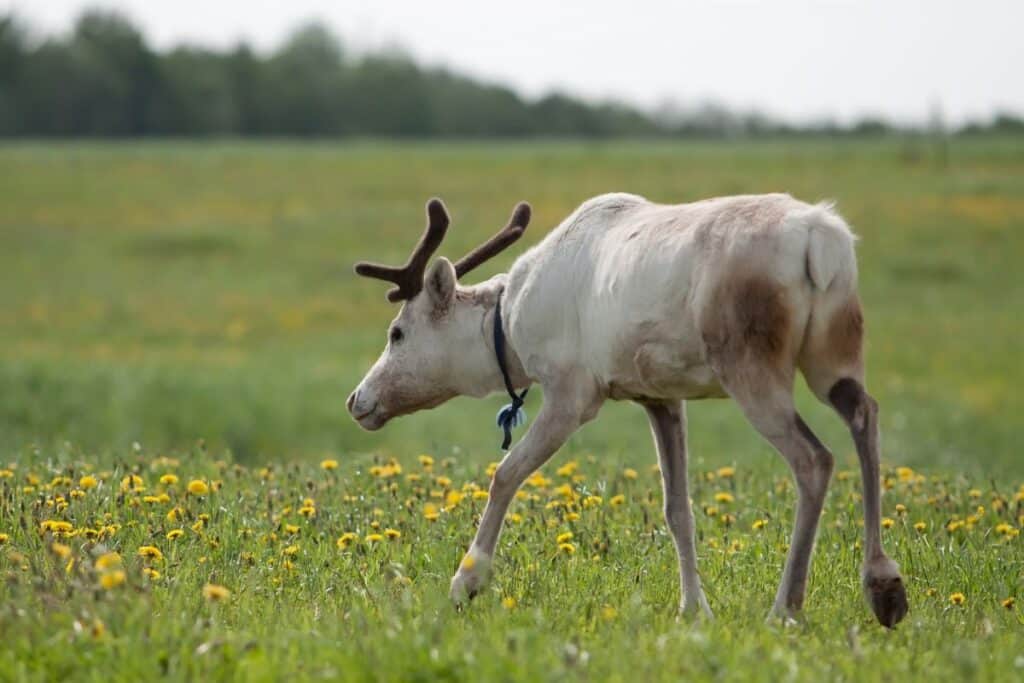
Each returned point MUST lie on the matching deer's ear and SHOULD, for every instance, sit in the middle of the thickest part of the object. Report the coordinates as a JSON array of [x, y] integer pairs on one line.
[[440, 283]]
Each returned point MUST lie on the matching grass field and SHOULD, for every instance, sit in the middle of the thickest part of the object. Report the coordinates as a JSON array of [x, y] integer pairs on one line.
[[197, 299]]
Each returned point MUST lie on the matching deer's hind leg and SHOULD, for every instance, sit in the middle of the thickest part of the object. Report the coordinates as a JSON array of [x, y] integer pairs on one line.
[[751, 337]]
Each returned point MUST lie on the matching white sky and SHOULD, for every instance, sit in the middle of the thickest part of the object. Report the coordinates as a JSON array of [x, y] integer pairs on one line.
[[793, 58]]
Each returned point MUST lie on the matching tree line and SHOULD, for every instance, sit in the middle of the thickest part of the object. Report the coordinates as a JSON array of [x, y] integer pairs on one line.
[[104, 80]]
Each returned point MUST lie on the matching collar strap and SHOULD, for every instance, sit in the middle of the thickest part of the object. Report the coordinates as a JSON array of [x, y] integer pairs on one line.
[[511, 415]]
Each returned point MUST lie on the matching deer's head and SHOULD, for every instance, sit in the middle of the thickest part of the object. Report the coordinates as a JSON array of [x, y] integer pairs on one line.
[[425, 360]]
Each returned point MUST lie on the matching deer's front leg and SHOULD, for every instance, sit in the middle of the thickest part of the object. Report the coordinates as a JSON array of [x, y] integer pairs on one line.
[[561, 414]]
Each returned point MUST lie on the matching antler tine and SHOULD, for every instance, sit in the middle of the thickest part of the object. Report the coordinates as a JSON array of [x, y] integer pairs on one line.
[[498, 243], [409, 277]]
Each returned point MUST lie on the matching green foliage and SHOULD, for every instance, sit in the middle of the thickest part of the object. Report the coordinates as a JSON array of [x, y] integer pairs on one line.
[[166, 293], [290, 572], [104, 80]]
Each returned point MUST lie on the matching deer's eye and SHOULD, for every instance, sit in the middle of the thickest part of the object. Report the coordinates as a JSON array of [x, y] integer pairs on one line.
[[396, 335]]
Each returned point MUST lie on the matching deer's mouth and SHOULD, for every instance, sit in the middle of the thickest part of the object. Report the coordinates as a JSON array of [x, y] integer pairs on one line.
[[370, 419]]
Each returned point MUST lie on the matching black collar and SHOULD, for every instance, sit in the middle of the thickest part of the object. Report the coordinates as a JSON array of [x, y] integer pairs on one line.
[[511, 415]]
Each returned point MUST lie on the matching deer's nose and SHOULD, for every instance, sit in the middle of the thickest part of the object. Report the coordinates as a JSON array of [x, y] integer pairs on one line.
[[352, 400]]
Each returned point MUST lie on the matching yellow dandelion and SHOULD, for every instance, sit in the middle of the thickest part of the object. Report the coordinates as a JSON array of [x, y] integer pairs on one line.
[[393, 534], [1004, 529], [508, 602], [608, 613], [724, 497], [453, 499], [88, 482], [108, 561], [567, 469], [710, 510], [133, 482], [291, 550], [616, 501], [887, 522], [567, 548], [329, 464], [214, 593], [957, 598], [726, 472], [480, 495], [728, 519], [151, 574], [759, 524], [374, 538], [920, 527], [60, 550], [629, 473], [112, 579], [198, 487], [150, 552], [430, 512], [1008, 603], [169, 479], [974, 493], [905, 474], [572, 516], [564, 538], [426, 462], [346, 539], [515, 518], [4, 538], [175, 533]]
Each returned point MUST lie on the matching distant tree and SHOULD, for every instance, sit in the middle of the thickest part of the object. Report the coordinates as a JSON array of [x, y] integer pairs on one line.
[[305, 84], [13, 54]]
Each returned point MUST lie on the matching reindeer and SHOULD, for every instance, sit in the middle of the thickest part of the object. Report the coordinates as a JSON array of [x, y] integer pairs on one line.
[[656, 304]]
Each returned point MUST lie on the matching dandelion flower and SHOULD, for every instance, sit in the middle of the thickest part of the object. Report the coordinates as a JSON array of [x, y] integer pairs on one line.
[[198, 487], [393, 534], [724, 497], [169, 479], [920, 527], [759, 524], [329, 464], [726, 472], [508, 602], [480, 495], [616, 501], [112, 579], [60, 550], [430, 512], [4, 538], [567, 469], [608, 613], [214, 593], [1008, 603], [426, 462], [567, 548], [957, 598], [151, 574], [150, 552], [374, 538], [108, 561], [174, 534], [629, 473], [887, 522], [564, 538], [88, 482], [345, 540], [291, 550]]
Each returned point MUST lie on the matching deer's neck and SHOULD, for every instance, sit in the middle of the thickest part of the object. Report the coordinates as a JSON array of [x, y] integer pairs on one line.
[[487, 377]]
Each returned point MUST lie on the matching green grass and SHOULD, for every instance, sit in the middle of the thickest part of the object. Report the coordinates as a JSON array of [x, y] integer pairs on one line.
[[171, 293], [300, 607]]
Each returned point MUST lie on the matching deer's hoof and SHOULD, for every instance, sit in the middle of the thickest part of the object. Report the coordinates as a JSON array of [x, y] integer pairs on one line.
[[469, 580], [885, 591]]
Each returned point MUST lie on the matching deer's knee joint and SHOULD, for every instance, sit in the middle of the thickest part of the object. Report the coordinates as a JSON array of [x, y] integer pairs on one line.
[[854, 404]]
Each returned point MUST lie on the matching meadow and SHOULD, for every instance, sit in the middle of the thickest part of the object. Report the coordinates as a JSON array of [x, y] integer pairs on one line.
[[183, 495]]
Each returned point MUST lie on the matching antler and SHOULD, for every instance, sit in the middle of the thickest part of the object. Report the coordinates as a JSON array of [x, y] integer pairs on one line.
[[498, 243], [409, 277]]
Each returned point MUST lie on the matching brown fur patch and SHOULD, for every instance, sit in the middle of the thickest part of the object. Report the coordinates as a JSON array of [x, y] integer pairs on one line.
[[762, 317], [846, 332], [748, 318]]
